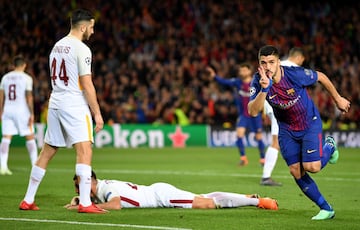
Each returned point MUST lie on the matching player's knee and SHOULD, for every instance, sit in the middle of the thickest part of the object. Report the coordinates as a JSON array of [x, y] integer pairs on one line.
[[203, 203], [312, 167], [275, 145], [295, 174], [295, 170]]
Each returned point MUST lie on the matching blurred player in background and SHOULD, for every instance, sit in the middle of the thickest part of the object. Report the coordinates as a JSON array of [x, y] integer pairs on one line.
[[296, 57], [115, 194], [241, 86], [17, 112], [300, 126], [69, 121], [272, 151], [244, 121]]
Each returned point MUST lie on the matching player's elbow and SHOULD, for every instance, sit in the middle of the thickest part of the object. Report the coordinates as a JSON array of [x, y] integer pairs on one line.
[[113, 204], [116, 207]]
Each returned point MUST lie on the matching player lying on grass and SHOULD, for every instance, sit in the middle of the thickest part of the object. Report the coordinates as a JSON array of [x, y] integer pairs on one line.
[[114, 194]]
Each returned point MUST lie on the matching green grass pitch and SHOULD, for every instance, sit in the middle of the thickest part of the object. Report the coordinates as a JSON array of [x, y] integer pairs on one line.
[[200, 170]]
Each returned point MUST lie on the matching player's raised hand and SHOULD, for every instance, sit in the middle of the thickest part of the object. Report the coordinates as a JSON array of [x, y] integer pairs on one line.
[[265, 81], [210, 71]]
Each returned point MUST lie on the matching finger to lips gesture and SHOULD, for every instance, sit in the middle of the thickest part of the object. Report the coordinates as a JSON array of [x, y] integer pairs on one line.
[[264, 80]]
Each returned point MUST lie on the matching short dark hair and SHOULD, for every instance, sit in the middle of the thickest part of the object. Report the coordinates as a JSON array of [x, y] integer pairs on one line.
[[80, 15], [268, 50], [93, 175], [18, 60], [246, 64], [296, 51]]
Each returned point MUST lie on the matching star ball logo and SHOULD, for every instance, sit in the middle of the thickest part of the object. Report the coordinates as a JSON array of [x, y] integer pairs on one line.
[[252, 91], [178, 138], [88, 60]]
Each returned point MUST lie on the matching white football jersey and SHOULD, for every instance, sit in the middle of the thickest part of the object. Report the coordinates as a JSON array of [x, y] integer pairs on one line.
[[287, 63], [69, 59], [15, 84], [268, 110], [141, 196]]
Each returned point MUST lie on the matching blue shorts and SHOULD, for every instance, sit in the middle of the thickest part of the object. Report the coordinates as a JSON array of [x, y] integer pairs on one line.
[[301, 146], [254, 124]]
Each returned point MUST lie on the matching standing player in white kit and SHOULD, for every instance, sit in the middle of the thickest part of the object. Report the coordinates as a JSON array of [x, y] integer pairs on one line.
[[69, 117], [17, 112]]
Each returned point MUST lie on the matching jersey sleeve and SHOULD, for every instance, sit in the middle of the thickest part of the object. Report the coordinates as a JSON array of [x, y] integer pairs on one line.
[[304, 77], [29, 83], [228, 82], [84, 60], [2, 82], [255, 86], [310, 77], [111, 192]]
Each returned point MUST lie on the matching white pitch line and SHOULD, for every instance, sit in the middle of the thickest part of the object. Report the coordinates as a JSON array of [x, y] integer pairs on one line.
[[207, 173], [89, 223], [203, 173]]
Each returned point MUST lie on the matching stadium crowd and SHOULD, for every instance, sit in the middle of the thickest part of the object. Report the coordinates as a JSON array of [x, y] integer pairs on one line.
[[149, 56]]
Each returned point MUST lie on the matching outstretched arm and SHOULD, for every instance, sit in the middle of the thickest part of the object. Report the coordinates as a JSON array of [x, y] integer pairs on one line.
[[342, 103], [231, 82], [211, 72], [113, 204]]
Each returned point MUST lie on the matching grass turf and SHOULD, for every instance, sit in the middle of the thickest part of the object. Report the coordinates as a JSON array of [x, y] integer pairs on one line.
[[200, 170]]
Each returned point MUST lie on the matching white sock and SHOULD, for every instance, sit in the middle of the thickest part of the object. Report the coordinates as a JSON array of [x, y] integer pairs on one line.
[[4, 152], [84, 172], [32, 149], [36, 177], [231, 200], [271, 156]]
